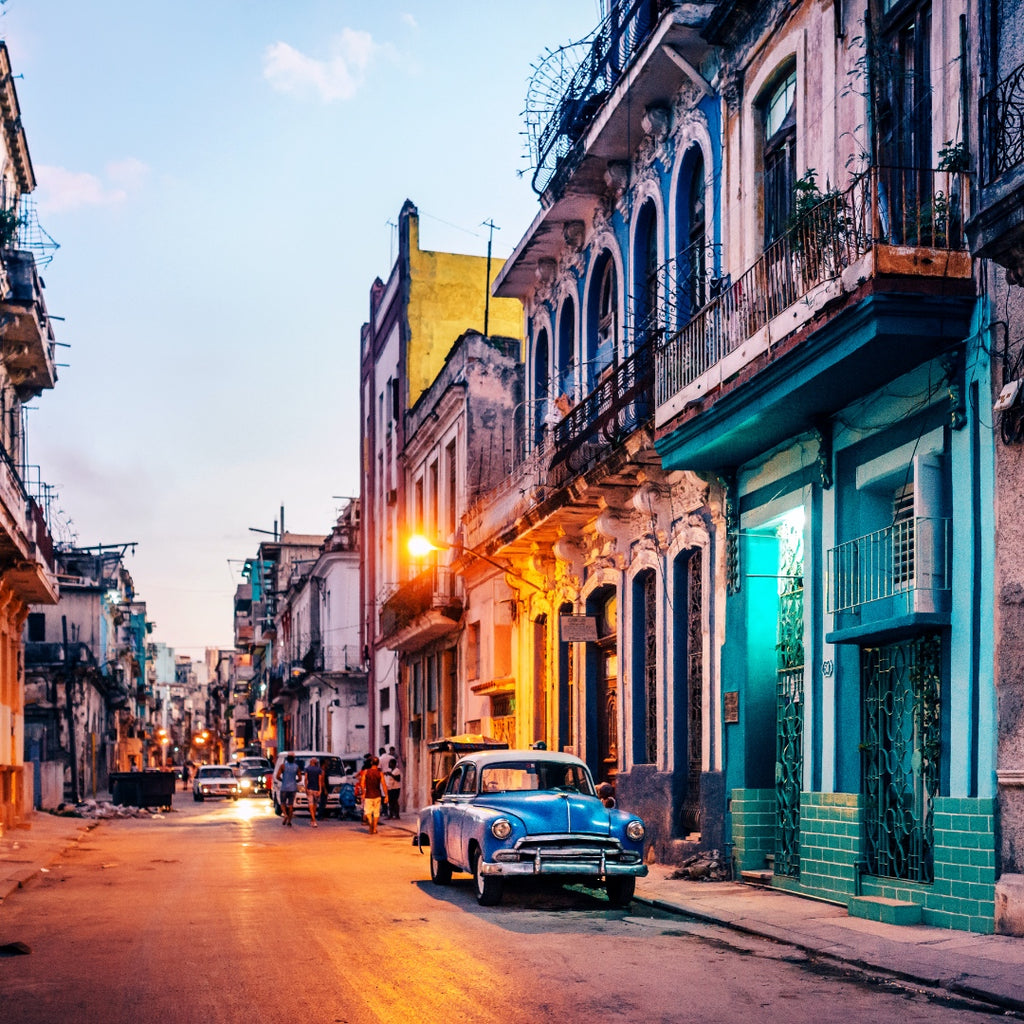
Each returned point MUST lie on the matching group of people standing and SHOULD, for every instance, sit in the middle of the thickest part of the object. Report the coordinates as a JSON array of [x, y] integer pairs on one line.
[[379, 784]]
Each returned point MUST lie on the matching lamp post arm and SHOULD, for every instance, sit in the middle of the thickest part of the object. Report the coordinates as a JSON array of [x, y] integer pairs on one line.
[[510, 570]]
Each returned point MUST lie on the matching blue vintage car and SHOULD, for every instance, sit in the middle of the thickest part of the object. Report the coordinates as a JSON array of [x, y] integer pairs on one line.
[[529, 812]]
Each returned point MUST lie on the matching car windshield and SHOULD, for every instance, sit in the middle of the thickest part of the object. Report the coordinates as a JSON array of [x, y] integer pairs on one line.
[[216, 773], [332, 766], [520, 776]]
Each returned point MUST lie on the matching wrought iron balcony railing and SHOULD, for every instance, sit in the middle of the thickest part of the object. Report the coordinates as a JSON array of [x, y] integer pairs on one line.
[[911, 557], [619, 404], [683, 286], [1002, 127], [883, 206], [615, 43], [434, 588]]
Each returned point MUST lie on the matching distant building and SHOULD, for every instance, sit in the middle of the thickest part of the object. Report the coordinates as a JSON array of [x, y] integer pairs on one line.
[[90, 703], [260, 725], [323, 694]]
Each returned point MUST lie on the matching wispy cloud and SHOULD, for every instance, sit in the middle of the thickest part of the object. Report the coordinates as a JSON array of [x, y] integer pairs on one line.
[[61, 190], [410, 20], [337, 77]]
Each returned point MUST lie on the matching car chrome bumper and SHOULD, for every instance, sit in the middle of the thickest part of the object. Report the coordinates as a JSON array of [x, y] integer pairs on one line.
[[563, 866]]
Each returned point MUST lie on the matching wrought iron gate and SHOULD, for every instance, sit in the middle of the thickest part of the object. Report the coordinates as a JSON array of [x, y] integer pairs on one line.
[[789, 726], [902, 741], [690, 816]]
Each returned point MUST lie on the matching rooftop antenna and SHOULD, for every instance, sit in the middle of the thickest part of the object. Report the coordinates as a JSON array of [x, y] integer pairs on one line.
[[391, 242], [487, 294]]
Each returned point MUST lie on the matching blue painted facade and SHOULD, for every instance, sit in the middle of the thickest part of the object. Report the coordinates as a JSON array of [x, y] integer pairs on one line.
[[837, 394]]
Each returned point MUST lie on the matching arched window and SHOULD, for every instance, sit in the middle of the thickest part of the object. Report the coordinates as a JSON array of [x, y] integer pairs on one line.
[[645, 274], [541, 376], [567, 349], [778, 120], [693, 269], [603, 319]]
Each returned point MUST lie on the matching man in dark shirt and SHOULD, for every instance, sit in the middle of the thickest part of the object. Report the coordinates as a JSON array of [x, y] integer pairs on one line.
[[374, 791]]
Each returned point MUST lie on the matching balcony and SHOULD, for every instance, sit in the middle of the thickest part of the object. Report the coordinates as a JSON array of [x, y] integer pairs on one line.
[[891, 581], [27, 335], [421, 610], [612, 48], [591, 441], [869, 283], [26, 546], [997, 229]]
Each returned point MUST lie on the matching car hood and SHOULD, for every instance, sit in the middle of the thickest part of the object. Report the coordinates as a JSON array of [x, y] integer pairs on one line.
[[552, 812]]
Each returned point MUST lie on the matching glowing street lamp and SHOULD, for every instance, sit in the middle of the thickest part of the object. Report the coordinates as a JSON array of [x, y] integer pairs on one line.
[[419, 547]]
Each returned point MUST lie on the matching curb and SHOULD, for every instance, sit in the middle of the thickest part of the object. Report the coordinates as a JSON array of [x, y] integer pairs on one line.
[[960, 989]]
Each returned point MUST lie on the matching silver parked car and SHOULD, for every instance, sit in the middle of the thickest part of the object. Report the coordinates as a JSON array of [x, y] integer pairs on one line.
[[214, 780]]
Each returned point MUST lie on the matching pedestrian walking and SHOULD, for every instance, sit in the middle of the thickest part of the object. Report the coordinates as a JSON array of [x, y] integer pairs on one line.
[[375, 789], [184, 776], [393, 780], [288, 775], [314, 783]]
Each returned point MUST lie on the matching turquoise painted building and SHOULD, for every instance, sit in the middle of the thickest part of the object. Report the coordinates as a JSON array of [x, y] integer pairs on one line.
[[835, 394]]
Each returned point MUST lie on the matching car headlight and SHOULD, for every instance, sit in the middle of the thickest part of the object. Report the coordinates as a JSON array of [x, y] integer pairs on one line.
[[246, 784], [501, 828], [635, 830]]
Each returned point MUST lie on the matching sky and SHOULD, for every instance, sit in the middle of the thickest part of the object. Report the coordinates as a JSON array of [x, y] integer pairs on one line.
[[223, 177]]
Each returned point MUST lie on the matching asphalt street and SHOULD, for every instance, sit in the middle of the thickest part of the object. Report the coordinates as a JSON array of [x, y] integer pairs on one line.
[[214, 912]]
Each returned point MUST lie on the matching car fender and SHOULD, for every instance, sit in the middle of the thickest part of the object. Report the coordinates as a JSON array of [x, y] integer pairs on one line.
[[431, 830]]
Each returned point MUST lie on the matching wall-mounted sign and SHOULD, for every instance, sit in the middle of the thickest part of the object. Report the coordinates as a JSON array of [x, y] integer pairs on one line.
[[578, 629], [731, 699]]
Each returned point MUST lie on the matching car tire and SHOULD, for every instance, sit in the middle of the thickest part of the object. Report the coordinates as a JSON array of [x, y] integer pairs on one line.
[[620, 889], [277, 807], [440, 870], [489, 888]]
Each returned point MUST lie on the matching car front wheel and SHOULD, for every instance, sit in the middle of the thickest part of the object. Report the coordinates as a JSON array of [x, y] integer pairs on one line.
[[277, 807], [620, 889], [440, 870], [489, 888]]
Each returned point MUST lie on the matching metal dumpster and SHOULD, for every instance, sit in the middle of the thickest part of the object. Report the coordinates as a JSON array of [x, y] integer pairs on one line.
[[151, 788]]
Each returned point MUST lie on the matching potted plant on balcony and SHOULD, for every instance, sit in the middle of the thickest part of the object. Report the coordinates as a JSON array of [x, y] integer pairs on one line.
[[818, 229]]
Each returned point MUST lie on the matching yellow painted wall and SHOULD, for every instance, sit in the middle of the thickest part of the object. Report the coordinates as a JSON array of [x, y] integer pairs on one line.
[[446, 298]]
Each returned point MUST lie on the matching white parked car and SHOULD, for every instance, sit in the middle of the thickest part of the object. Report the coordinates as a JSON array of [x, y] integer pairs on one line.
[[214, 780]]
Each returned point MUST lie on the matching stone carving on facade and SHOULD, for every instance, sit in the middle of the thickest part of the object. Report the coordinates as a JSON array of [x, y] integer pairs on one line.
[[574, 235], [545, 274], [570, 555], [656, 122], [616, 176], [602, 224]]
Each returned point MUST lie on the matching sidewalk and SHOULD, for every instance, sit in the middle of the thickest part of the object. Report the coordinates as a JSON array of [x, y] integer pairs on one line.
[[28, 849], [984, 967], [989, 968]]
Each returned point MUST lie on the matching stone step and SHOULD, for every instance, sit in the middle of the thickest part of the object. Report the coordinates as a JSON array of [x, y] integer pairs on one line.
[[885, 910], [757, 877]]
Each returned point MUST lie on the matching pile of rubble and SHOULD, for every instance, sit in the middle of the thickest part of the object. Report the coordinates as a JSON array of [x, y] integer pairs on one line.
[[704, 867], [98, 810]]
